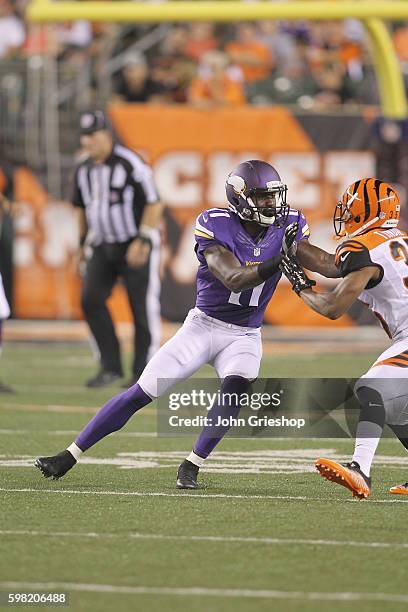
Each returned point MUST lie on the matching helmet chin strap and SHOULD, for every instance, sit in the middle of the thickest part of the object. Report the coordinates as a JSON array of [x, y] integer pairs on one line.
[[262, 220], [363, 227], [388, 224], [266, 221]]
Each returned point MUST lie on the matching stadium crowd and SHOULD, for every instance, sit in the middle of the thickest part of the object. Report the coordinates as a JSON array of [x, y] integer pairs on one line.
[[315, 65]]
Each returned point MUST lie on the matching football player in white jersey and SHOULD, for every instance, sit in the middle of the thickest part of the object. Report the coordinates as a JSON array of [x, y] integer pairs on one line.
[[373, 261], [4, 307]]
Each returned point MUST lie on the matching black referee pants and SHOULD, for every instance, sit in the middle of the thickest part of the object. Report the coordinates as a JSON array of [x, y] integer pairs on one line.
[[103, 269]]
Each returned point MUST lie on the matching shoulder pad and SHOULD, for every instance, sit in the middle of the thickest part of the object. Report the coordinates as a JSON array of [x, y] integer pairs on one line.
[[204, 226], [296, 216]]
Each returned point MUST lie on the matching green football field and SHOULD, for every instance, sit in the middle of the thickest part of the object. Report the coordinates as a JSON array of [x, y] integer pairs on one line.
[[264, 532]]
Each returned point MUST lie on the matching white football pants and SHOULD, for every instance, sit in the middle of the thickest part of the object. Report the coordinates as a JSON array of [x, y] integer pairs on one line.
[[391, 381], [231, 349]]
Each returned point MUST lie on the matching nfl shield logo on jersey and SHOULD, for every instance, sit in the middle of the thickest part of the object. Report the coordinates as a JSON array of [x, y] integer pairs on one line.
[[257, 252]]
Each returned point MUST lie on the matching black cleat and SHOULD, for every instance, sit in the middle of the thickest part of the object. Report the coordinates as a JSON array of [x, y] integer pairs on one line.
[[129, 383], [102, 379], [55, 466], [5, 388], [187, 475]]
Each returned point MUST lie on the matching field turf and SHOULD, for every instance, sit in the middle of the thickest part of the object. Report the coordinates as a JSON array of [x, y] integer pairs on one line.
[[264, 532]]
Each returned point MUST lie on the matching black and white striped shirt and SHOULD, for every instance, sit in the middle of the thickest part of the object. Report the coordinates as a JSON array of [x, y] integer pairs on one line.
[[114, 194]]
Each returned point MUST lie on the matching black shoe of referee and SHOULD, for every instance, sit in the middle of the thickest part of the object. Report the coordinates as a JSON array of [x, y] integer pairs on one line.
[[129, 383], [187, 475], [5, 388], [102, 379]]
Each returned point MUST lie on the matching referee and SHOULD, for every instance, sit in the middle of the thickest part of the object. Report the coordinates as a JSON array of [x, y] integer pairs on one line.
[[119, 216]]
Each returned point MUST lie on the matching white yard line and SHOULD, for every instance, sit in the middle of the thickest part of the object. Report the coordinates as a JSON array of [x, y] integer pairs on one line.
[[64, 409], [206, 592], [73, 432], [155, 434], [200, 495], [154, 494], [203, 538]]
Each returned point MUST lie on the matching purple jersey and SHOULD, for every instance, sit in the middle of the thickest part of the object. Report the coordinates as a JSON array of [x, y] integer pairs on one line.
[[221, 226]]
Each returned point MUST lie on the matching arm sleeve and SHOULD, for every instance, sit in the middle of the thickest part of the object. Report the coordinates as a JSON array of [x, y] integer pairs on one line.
[[352, 256], [76, 195]]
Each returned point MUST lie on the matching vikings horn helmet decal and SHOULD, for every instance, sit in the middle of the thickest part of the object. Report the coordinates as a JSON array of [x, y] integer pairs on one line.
[[250, 183]]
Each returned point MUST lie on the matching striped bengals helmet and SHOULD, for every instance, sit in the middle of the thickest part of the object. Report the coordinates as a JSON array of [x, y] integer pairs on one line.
[[366, 204]]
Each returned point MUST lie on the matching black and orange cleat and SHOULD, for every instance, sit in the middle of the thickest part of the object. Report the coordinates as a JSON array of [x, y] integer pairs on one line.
[[401, 489], [347, 475]]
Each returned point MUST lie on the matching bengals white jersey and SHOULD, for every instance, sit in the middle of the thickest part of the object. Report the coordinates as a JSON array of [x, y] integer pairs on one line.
[[387, 296]]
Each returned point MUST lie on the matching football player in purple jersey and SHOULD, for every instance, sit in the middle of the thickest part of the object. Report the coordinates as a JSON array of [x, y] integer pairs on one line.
[[239, 250]]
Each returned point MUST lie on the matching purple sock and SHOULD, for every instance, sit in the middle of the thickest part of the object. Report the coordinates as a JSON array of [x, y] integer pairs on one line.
[[211, 435], [112, 416]]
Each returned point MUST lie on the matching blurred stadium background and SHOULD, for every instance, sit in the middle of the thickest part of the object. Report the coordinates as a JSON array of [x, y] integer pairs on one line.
[[324, 101]]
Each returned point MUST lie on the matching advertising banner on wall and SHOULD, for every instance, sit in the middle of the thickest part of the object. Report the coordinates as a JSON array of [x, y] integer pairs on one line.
[[191, 151]]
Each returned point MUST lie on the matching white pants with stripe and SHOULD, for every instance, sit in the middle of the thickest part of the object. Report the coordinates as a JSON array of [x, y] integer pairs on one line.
[[231, 349], [391, 381]]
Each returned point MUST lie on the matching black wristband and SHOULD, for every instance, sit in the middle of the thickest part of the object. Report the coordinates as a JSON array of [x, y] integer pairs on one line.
[[144, 239], [269, 267]]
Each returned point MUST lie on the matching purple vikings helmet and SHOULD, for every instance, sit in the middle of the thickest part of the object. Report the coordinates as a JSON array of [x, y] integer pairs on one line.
[[251, 180]]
